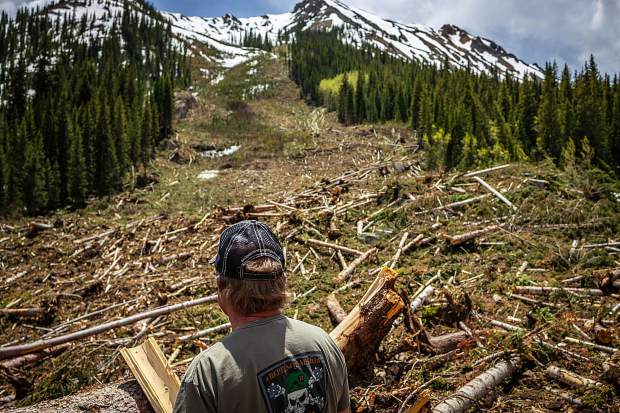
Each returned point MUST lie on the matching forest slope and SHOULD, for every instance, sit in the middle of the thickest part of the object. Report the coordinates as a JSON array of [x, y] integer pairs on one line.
[[318, 179]]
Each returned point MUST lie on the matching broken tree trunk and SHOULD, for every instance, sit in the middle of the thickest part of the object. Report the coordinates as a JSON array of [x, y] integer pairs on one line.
[[483, 171], [478, 387], [336, 312], [494, 192], [447, 342], [361, 332], [21, 312], [334, 246], [457, 204]]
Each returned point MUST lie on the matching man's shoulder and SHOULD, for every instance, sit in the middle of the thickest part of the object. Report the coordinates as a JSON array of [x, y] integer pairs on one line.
[[205, 361], [307, 329]]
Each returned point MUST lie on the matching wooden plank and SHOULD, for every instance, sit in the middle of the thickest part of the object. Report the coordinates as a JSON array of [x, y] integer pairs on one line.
[[156, 378]]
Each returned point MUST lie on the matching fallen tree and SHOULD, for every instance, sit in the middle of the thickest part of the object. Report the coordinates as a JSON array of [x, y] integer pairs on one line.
[[21, 349], [478, 387], [122, 397], [358, 336]]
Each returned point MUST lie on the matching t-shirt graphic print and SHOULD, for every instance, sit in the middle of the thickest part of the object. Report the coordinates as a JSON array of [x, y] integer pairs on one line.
[[296, 384]]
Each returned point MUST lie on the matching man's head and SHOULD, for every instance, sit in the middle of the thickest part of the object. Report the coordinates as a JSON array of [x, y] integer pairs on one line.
[[250, 269]]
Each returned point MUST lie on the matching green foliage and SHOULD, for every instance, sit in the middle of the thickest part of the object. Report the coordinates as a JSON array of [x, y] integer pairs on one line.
[[77, 116], [428, 312], [567, 158], [543, 315], [490, 118], [437, 147]]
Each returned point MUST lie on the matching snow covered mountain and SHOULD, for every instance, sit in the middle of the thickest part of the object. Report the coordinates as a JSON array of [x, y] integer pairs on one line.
[[410, 41]]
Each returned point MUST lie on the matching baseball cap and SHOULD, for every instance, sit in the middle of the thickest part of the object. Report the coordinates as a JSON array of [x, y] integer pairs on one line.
[[243, 242]]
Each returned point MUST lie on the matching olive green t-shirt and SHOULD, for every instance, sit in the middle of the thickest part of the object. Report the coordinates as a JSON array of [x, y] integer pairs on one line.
[[274, 365]]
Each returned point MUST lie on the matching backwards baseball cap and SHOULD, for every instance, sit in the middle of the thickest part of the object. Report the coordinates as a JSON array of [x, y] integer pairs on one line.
[[243, 242]]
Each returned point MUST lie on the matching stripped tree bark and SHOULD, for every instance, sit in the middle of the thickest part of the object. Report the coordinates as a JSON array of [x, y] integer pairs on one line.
[[460, 239], [334, 246], [346, 273], [31, 358], [494, 192], [535, 290], [477, 388]]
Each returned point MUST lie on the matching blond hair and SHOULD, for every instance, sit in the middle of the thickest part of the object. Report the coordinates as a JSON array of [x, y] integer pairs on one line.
[[254, 296]]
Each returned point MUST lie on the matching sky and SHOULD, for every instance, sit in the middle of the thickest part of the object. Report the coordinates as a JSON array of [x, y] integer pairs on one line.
[[536, 31]]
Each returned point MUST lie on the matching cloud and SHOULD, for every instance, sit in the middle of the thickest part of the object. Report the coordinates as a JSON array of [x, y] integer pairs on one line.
[[536, 31], [11, 6]]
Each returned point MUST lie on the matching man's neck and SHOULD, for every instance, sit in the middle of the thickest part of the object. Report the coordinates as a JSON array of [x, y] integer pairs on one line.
[[237, 320]]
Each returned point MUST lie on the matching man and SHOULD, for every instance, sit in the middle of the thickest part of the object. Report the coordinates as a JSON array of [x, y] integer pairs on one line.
[[269, 363]]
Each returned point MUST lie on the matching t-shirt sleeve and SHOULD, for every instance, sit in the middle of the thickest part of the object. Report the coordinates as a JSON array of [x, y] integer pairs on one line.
[[344, 401], [195, 394], [341, 376]]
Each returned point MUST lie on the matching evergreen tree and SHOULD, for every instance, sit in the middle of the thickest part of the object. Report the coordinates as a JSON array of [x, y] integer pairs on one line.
[[70, 128], [401, 108], [387, 103], [121, 135], [107, 177], [76, 180], [360, 99], [345, 102], [4, 169], [565, 103], [146, 143], [615, 127], [35, 173], [425, 115], [547, 124], [526, 115]]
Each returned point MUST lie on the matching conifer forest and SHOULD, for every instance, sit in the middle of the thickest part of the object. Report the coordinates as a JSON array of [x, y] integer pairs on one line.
[[77, 115], [467, 119]]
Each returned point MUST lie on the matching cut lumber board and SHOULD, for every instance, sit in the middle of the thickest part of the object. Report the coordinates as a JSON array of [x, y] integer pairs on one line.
[[156, 378]]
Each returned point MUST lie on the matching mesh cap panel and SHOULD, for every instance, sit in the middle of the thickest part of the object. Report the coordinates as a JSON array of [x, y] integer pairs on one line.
[[244, 242]]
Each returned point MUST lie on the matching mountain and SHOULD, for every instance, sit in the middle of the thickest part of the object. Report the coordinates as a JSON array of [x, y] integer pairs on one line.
[[106, 12], [410, 41]]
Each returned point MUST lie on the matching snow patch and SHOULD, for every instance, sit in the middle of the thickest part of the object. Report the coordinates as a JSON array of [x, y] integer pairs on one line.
[[208, 174], [218, 153], [217, 79]]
